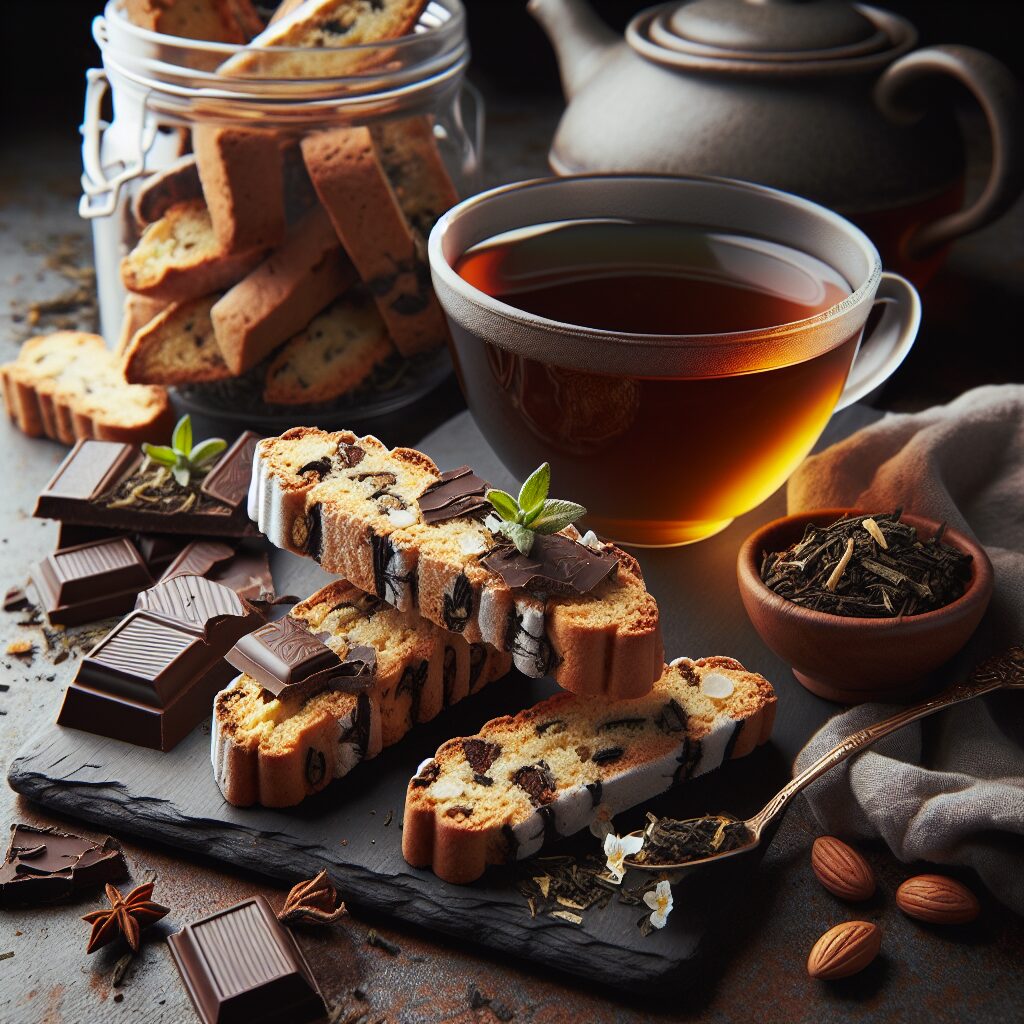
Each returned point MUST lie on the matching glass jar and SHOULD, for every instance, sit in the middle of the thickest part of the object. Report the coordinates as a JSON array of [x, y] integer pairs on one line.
[[161, 87]]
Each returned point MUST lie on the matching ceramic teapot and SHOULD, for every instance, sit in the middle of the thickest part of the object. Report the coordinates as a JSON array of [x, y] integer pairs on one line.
[[823, 98]]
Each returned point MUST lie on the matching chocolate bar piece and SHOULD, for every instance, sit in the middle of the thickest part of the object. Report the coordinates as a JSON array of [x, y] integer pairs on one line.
[[157, 550], [242, 965], [113, 486], [245, 571], [281, 654], [153, 677], [90, 581], [44, 866]]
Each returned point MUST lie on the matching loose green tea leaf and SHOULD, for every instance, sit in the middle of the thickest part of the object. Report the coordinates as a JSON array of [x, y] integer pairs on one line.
[[872, 566], [668, 841]]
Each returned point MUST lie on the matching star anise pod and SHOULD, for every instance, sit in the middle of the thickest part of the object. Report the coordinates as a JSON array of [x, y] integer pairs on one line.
[[312, 902], [127, 916]]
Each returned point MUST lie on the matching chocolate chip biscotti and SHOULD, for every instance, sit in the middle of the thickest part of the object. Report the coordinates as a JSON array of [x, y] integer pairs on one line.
[[341, 677], [500, 795], [388, 521]]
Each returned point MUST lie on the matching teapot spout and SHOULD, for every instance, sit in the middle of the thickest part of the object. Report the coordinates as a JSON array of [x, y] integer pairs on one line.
[[580, 38]]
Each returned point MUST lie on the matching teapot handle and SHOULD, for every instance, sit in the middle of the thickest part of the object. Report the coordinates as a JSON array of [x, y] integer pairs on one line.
[[902, 98]]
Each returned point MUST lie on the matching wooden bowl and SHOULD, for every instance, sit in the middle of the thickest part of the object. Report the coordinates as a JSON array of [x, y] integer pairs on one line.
[[854, 659]]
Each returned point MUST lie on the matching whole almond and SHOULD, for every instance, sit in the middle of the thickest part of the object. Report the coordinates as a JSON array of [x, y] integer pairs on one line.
[[937, 900], [844, 950], [842, 870]]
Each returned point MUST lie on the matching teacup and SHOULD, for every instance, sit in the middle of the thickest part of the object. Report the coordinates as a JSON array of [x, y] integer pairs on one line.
[[664, 437]]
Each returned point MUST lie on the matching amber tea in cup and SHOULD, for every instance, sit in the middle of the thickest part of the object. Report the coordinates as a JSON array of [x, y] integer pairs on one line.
[[674, 372]]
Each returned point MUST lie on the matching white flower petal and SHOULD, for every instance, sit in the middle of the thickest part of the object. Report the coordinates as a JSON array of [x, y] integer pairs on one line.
[[658, 919]]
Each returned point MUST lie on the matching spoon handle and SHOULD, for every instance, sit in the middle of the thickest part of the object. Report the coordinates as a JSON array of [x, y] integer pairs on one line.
[[1005, 670]]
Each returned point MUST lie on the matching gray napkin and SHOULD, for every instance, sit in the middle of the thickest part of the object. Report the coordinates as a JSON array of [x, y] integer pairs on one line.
[[949, 789]]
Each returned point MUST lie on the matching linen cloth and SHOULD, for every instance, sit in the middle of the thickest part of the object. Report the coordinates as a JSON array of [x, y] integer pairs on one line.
[[948, 789]]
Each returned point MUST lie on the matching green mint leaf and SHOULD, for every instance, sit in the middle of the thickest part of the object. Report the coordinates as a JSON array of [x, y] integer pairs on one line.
[[557, 515], [182, 474], [207, 450], [519, 535], [504, 504], [181, 439], [161, 454], [535, 489]]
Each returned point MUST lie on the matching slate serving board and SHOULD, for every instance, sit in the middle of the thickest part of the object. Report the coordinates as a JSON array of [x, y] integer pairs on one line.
[[353, 827]]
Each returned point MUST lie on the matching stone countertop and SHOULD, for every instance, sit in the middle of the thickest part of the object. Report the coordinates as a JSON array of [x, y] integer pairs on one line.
[[924, 974]]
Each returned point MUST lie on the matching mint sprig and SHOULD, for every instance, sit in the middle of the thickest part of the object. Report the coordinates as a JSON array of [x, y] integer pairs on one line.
[[181, 457], [533, 512]]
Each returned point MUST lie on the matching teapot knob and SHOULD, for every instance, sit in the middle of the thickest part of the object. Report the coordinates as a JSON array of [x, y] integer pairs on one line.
[[902, 95]]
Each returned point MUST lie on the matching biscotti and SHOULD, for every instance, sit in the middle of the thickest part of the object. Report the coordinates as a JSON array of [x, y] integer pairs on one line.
[[242, 175], [177, 183], [322, 39], [579, 613], [179, 258], [410, 157], [213, 21], [332, 356], [354, 189], [68, 386], [138, 311], [549, 771], [277, 749], [282, 294], [177, 347]]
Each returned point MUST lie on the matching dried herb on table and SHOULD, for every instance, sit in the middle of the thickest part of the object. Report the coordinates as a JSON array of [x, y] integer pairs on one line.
[[127, 916], [868, 567], [668, 841]]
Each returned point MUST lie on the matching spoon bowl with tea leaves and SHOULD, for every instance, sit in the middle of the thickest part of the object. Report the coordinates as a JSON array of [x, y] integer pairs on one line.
[[671, 845]]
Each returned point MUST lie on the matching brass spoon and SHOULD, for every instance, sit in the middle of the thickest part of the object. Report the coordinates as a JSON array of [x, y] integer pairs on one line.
[[1003, 672]]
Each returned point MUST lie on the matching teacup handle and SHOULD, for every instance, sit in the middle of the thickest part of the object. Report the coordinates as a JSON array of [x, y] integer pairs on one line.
[[882, 351], [902, 94]]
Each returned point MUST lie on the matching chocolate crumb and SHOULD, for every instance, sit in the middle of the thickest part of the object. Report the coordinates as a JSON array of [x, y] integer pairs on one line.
[[118, 997], [388, 818], [15, 600], [476, 998]]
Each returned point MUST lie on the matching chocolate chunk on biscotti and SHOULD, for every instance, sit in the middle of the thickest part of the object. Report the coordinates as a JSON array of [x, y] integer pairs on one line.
[[581, 613], [68, 386], [332, 356], [178, 257], [354, 189], [549, 771], [343, 676], [282, 294], [177, 347]]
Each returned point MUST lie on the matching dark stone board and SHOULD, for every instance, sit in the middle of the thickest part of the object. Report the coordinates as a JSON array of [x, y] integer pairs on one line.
[[173, 797]]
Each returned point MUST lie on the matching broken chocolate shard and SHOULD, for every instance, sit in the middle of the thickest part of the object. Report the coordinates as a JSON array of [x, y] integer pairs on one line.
[[459, 492], [111, 486], [90, 582], [556, 564], [241, 965], [246, 571], [44, 866], [198, 601], [15, 600], [198, 558], [228, 481]]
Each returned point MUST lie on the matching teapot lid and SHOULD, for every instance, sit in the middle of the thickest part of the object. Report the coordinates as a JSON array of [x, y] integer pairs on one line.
[[767, 31]]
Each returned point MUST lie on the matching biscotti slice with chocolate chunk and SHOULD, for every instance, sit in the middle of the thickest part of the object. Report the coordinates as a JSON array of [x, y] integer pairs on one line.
[[576, 611], [292, 722], [68, 386], [354, 188], [213, 21], [178, 257], [550, 770], [280, 297], [332, 356], [410, 157], [325, 39], [177, 347]]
